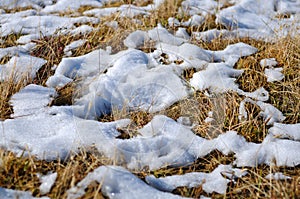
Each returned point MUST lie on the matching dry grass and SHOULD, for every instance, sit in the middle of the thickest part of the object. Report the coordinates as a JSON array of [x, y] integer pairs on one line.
[[20, 172]]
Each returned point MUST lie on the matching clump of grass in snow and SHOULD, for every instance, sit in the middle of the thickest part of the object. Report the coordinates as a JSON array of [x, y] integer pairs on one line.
[[7, 89], [20, 173]]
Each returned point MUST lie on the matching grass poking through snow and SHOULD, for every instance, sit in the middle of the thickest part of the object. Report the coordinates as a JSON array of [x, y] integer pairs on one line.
[[20, 172]]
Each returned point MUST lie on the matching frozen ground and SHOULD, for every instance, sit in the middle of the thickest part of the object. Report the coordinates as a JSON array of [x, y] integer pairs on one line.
[[135, 80]]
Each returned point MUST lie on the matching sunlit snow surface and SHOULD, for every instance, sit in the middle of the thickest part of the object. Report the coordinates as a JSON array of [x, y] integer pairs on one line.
[[132, 80]]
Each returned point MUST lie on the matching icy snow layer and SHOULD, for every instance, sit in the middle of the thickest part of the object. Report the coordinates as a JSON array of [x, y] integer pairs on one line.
[[13, 194], [210, 182], [116, 182]]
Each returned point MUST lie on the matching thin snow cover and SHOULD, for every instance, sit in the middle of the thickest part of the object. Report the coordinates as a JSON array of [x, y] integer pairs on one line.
[[14, 194], [136, 39], [257, 16], [277, 176], [31, 25], [268, 62], [160, 34], [70, 5], [194, 20], [73, 45], [125, 10], [81, 30], [198, 58], [224, 78], [56, 132], [288, 7], [270, 113], [83, 66], [47, 182], [182, 33], [38, 4], [210, 35], [289, 131], [16, 50], [216, 181], [134, 80], [274, 74], [117, 182], [21, 66], [232, 53], [280, 152], [203, 7], [250, 19], [31, 100]]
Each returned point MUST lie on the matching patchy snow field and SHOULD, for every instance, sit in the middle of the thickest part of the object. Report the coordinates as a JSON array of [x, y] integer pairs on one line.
[[135, 80]]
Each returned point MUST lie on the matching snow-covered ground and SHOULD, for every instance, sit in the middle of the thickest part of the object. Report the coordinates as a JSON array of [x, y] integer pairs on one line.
[[135, 80]]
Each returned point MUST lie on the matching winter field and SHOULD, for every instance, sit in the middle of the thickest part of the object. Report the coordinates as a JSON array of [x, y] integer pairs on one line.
[[149, 99]]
